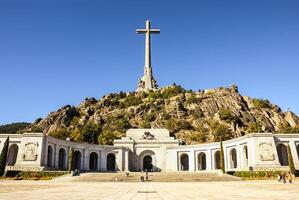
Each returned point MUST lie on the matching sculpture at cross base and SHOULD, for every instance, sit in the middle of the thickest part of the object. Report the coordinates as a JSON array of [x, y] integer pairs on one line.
[[147, 82]]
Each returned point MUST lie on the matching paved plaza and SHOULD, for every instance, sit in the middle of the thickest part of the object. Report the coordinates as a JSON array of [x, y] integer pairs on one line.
[[67, 188]]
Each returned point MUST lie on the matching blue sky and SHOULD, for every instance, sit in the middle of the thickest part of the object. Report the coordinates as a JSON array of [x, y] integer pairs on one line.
[[54, 53]]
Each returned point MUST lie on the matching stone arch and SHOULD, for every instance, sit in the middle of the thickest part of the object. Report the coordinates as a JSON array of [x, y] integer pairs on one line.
[[50, 157], [62, 159], [77, 160], [148, 161], [12, 154], [233, 158], [111, 162], [282, 154], [184, 162], [93, 161], [245, 156], [201, 161], [217, 160]]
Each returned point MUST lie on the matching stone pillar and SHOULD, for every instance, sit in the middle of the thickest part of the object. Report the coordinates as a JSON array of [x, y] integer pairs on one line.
[[209, 160], [126, 160], [99, 161], [191, 160]]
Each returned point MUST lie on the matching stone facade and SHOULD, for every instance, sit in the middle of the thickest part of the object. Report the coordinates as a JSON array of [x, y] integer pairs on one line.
[[151, 149]]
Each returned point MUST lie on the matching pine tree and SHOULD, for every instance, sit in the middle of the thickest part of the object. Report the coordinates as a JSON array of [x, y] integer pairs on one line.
[[71, 159], [222, 157], [291, 161], [3, 157]]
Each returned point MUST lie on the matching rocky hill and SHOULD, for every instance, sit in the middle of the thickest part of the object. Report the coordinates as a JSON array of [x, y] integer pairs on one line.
[[194, 117]]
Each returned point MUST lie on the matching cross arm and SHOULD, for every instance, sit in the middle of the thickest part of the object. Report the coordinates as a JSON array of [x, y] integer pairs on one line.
[[140, 31], [155, 31]]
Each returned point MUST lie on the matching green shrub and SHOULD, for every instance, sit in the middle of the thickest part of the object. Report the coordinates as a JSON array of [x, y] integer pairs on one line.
[[227, 115], [220, 131], [107, 137], [62, 133], [14, 127], [261, 103], [91, 132], [255, 127], [251, 175], [172, 91], [38, 175], [131, 100]]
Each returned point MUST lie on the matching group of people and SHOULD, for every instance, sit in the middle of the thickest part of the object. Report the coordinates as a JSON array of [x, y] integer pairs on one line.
[[285, 177], [146, 177]]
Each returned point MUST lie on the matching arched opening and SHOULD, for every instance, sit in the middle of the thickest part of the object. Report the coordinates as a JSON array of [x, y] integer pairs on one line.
[[12, 155], [61, 159], [217, 160], [245, 156], [93, 161], [111, 162], [50, 157], [233, 158], [297, 147], [184, 160], [147, 163], [282, 154], [77, 160], [201, 161]]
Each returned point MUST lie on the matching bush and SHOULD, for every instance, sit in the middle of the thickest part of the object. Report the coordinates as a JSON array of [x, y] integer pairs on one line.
[[227, 115], [13, 128], [172, 91], [91, 132], [255, 127], [261, 103], [219, 131], [107, 137], [38, 175], [62, 133], [131, 100], [251, 175], [286, 128]]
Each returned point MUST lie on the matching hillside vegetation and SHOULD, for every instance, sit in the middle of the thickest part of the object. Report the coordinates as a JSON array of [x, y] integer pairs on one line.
[[14, 127], [193, 117]]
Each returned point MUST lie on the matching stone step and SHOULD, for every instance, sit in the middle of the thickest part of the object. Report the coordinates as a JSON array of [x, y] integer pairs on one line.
[[153, 177]]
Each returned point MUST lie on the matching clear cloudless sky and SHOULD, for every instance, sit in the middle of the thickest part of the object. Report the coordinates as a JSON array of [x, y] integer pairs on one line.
[[58, 52]]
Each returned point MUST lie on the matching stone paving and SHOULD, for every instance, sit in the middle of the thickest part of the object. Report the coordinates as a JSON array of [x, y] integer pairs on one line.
[[66, 189]]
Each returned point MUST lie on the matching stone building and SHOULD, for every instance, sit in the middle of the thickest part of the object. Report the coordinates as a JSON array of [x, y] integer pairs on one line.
[[153, 150]]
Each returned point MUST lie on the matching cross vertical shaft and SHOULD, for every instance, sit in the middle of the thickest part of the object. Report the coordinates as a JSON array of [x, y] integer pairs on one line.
[[147, 82]]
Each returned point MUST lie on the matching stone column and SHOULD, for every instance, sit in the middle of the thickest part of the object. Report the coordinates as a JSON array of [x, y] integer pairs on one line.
[[191, 161]]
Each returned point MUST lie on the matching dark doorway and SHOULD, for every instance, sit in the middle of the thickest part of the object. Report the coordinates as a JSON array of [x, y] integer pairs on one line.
[[93, 161], [184, 162], [77, 160], [50, 157], [61, 159], [147, 163], [110, 162], [282, 154], [12, 155]]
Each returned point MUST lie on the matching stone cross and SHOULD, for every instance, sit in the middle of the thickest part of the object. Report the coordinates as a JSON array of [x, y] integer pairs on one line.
[[147, 82]]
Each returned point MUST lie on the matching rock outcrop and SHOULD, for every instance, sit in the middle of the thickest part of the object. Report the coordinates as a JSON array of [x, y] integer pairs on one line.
[[194, 117]]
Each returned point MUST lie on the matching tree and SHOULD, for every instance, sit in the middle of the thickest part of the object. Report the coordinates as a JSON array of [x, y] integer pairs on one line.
[[3, 157], [222, 166], [291, 161], [71, 159]]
